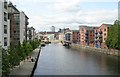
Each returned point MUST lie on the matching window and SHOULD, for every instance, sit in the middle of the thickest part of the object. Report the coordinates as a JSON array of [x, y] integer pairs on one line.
[[5, 5], [104, 29], [16, 23], [105, 39], [105, 34], [5, 16], [5, 41], [18, 38], [5, 29]]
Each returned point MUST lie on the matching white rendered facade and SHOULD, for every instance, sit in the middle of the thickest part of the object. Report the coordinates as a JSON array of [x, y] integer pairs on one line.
[[4, 26], [22, 27]]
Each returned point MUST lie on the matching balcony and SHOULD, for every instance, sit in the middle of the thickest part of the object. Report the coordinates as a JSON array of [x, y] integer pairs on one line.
[[86, 37], [96, 41], [100, 41], [100, 32], [96, 37], [86, 33], [96, 33], [27, 23], [100, 36], [86, 40]]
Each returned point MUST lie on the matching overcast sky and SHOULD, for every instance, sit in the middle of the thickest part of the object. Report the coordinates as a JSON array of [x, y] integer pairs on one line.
[[68, 13]]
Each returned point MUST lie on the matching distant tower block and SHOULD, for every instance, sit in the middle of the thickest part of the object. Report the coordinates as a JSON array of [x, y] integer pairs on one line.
[[53, 29]]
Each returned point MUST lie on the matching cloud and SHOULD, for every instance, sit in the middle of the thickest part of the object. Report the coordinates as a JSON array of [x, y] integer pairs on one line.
[[66, 5], [64, 13], [91, 17], [97, 16]]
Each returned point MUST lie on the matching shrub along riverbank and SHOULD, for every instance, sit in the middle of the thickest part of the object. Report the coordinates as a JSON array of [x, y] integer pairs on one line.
[[14, 55], [113, 39]]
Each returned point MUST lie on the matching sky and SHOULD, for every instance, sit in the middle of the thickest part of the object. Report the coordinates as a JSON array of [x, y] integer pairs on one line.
[[68, 13]]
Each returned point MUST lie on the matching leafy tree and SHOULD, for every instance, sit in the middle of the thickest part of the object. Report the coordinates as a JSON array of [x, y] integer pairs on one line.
[[5, 63], [13, 57], [15, 54], [113, 39], [35, 43], [20, 52], [27, 48]]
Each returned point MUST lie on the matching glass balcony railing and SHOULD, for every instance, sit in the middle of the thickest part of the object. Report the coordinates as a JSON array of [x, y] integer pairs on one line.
[[100, 36], [96, 37], [86, 33], [96, 33], [100, 32]]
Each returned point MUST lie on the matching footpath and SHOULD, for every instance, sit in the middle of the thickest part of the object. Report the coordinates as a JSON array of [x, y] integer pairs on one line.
[[26, 67]]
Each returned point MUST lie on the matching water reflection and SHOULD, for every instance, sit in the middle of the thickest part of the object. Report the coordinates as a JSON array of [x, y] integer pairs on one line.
[[58, 60]]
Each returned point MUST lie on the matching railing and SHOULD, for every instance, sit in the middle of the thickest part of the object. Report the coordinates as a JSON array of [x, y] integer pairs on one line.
[[100, 32]]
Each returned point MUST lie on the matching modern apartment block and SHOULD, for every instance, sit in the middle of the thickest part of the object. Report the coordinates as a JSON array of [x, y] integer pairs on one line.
[[75, 36], [101, 35], [86, 35], [18, 25], [30, 33], [4, 25]]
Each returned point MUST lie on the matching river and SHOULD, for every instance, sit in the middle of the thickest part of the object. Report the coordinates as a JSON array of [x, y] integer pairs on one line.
[[56, 59]]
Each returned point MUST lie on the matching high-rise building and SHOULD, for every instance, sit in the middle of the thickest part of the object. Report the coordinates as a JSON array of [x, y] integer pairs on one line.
[[4, 25], [53, 29]]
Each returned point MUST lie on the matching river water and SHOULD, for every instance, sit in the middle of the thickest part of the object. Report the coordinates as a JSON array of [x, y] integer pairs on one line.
[[56, 59]]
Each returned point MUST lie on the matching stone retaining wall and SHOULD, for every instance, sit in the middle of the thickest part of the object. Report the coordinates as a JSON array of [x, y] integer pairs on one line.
[[92, 49]]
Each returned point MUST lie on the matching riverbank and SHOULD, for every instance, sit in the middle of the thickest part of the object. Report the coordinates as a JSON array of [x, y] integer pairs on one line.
[[93, 49], [26, 67]]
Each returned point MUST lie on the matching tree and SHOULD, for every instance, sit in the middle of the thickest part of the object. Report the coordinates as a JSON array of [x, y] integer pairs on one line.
[[113, 39], [20, 52], [5, 63], [27, 48], [34, 43]]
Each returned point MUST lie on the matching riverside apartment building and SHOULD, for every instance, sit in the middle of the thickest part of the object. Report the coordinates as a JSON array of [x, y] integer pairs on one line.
[[18, 24], [4, 25]]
